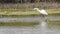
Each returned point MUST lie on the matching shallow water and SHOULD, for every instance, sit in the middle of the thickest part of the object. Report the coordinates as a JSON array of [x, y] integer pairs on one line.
[[29, 19], [42, 28], [30, 30]]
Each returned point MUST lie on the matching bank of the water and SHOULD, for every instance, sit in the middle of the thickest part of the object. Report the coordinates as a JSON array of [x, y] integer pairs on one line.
[[32, 15], [53, 22], [28, 13], [18, 23]]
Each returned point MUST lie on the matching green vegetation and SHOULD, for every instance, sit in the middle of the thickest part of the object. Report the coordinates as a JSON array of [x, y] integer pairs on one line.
[[18, 23], [19, 14], [53, 23], [50, 23], [27, 13], [54, 12]]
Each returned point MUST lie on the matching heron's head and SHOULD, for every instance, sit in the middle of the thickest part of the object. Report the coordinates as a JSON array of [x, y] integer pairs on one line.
[[36, 8]]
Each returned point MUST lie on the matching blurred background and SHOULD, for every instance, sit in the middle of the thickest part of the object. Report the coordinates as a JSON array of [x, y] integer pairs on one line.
[[29, 4]]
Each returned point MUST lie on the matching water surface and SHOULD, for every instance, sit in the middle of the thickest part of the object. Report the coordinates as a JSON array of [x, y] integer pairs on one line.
[[42, 28]]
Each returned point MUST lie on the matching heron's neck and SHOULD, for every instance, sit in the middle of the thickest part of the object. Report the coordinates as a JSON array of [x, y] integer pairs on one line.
[[38, 10]]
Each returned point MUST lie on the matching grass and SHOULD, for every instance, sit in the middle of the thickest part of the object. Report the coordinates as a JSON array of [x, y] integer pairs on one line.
[[53, 22], [50, 23], [18, 13], [54, 12], [51, 12], [18, 23]]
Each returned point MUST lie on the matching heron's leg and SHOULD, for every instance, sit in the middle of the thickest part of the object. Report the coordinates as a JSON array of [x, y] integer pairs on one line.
[[42, 17], [45, 17]]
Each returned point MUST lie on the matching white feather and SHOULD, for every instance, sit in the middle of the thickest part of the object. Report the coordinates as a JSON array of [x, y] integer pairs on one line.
[[41, 11]]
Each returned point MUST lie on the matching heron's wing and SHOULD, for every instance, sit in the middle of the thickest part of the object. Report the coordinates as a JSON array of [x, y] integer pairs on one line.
[[43, 12]]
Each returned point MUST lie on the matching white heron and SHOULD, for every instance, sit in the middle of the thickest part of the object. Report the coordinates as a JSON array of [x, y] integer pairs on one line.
[[43, 24], [43, 12]]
